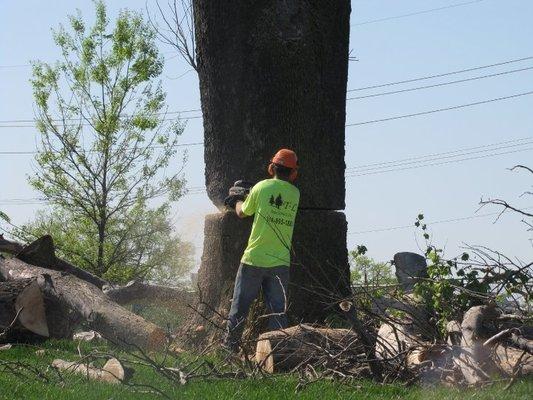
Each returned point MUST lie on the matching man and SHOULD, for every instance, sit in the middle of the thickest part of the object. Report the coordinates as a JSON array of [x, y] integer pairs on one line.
[[265, 262]]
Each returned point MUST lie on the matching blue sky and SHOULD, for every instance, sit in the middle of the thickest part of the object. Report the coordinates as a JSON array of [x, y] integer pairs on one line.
[[480, 33]]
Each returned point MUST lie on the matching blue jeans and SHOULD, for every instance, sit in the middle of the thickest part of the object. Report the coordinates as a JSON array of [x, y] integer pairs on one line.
[[249, 280]]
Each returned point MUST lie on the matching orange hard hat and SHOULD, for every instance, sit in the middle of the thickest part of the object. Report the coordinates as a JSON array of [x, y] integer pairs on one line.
[[286, 158]]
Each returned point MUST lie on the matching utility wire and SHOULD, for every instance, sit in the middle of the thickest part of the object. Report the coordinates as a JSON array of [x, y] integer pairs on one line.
[[439, 84], [440, 154], [439, 109], [373, 21], [437, 163], [443, 221], [420, 160], [15, 66], [380, 85], [199, 189], [13, 121], [11, 153], [87, 124], [39, 200], [384, 119]]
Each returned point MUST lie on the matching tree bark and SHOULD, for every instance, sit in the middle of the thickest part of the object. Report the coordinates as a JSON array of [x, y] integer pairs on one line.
[[273, 74], [410, 267], [89, 304], [286, 349]]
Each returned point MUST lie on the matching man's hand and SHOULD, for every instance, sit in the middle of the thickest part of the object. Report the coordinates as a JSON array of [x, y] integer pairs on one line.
[[238, 192]]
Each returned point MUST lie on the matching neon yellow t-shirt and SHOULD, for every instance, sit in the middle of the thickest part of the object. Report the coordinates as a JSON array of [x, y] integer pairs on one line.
[[274, 203]]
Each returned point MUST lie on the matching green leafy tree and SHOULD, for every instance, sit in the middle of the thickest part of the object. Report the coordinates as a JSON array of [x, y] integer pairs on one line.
[[105, 141], [365, 271], [153, 252]]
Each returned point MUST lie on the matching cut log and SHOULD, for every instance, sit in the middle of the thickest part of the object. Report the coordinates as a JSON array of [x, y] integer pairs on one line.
[[138, 292], [395, 338], [22, 310], [473, 358], [89, 304], [111, 372], [513, 362], [286, 349]]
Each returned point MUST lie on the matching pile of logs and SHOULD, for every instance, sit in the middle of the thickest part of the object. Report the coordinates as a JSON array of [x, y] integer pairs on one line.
[[43, 296]]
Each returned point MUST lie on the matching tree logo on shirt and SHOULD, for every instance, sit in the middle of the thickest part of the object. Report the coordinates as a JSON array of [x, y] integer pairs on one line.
[[277, 202]]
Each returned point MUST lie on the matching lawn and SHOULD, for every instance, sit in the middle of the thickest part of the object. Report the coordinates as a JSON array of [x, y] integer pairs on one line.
[[23, 384]]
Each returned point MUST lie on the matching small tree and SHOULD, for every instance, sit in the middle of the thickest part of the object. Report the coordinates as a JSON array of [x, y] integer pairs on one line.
[[105, 142], [365, 271]]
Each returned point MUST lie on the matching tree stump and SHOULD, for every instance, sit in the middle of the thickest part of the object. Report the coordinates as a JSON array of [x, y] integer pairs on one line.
[[410, 267]]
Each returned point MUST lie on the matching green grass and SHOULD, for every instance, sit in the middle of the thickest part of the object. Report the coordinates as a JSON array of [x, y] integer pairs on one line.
[[276, 387]]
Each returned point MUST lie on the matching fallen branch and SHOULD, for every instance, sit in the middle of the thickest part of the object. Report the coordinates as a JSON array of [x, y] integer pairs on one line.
[[138, 292]]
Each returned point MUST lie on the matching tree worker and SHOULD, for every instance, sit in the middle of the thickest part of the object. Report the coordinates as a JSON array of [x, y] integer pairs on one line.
[[265, 263]]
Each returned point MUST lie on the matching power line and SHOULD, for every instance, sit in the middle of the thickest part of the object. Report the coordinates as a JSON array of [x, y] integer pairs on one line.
[[439, 109], [39, 200], [11, 153], [372, 21], [382, 119], [439, 84], [200, 190], [380, 85], [87, 124], [443, 221], [440, 156], [437, 163], [80, 119]]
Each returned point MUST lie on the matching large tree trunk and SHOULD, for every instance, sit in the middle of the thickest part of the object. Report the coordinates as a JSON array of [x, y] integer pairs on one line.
[[273, 74], [88, 304]]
